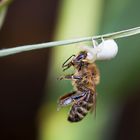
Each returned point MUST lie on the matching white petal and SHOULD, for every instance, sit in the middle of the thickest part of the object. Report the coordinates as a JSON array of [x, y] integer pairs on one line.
[[108, 49]]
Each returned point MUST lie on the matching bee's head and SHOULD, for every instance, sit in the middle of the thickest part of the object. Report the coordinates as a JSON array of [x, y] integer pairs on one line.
[[79, 58], [75, 61], [82, 55]]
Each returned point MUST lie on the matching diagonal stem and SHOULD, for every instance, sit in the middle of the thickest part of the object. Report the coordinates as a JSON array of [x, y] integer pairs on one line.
[[114, 35]]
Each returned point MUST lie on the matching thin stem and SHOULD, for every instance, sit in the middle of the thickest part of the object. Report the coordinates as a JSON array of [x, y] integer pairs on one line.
[[115, 35]]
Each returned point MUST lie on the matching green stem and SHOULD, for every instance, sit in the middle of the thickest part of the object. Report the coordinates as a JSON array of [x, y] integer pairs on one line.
[[115, 35]]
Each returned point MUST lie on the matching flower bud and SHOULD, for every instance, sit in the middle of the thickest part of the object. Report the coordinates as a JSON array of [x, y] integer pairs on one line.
[[106, 50]]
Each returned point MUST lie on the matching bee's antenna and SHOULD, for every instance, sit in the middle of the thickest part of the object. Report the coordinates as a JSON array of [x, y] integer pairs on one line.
[[64, 64]]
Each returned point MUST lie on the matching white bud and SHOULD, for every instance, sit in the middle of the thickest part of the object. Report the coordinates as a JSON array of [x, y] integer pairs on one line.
[[107, 49]]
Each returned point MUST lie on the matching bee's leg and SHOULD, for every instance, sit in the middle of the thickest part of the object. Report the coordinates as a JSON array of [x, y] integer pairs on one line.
[[79, 96], [67, 65], [69, 98], [65, 100], [70, 77]]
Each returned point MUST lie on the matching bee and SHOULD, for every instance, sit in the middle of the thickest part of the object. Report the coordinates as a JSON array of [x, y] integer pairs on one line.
[[84, 80]]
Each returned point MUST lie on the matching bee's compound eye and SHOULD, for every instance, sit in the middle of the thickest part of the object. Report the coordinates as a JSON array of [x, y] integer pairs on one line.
[[108, 50]]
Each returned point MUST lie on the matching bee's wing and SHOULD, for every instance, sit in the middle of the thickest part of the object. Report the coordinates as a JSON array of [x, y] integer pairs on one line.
[[93, 109]]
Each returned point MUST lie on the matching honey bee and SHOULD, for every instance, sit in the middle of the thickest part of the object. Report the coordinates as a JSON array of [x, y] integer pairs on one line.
[[84, 80]]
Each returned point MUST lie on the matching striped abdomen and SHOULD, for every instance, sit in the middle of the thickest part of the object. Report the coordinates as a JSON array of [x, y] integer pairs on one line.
[[80, 109]]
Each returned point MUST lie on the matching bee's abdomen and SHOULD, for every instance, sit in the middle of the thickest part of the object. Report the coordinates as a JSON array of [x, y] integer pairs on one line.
[[79, 111]]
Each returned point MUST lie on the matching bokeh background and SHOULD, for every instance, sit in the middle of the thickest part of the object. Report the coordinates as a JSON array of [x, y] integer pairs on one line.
[[29, 89]]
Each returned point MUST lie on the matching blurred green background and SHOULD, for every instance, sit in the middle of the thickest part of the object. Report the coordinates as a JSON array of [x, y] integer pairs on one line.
[[118, 101]]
